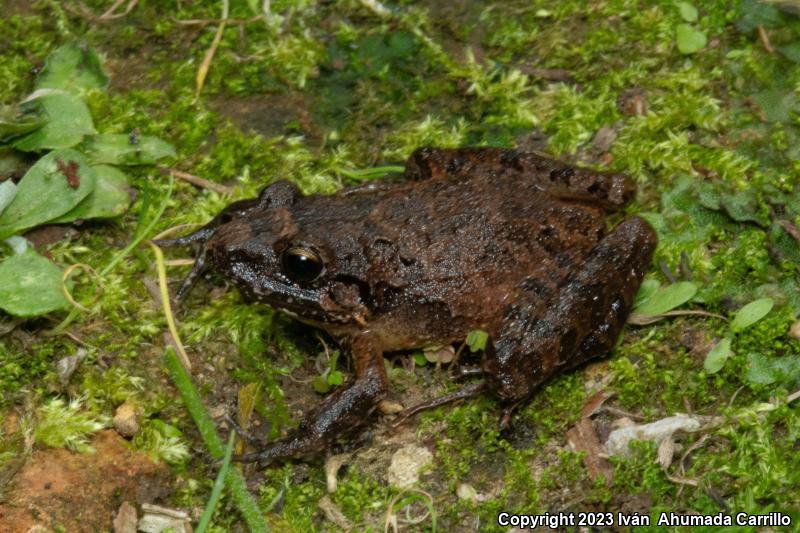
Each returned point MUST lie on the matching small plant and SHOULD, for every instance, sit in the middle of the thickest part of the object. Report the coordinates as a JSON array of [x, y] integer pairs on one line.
[[330, 376], [654, 302], [743, 319], [65, 425], [77, 178], [688, 38], [162, 441]]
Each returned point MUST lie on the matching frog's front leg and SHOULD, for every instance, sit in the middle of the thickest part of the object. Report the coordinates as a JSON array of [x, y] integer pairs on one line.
[[581, 320], [341, 413]]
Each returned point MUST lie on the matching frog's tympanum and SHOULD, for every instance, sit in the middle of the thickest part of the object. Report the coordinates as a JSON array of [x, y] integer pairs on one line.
[[511, 243]]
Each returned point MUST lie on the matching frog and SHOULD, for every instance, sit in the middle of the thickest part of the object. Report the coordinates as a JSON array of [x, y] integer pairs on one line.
[[511, 243]]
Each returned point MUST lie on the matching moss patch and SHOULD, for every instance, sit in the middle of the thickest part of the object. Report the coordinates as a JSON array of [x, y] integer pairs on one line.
[[317, 89]]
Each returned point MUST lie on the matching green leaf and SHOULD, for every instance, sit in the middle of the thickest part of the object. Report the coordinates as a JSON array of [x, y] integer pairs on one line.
[[716, 357], [73, 67], [12, 124], [164, 429], [667, 298], [688, 12], [335, 378], [321, 384], [66, 121], [420, 359], [689, 39], [117, 149], [646, 290], [756, 13], [777, 104], [110, 197], [708, 196], [30, 285], [476, 340], [790, 51], [44, 193], [742, 207], [768, 370], [751, 313], [255, 6], [7, 193]]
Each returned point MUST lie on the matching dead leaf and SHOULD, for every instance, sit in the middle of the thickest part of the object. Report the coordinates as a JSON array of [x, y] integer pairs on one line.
[[332, 466], [333, 513], [125, 521], [594, 403], [666, 450], [582, 438], [658, 431]]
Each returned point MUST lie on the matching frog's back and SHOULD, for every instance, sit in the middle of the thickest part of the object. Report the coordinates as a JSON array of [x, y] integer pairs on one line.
[[482, 225], [448, 254]]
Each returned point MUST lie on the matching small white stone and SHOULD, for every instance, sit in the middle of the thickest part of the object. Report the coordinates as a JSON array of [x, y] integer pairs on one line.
[[406, 464]]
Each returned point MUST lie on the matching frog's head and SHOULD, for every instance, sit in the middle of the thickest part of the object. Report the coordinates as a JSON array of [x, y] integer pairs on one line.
[[278, 251]]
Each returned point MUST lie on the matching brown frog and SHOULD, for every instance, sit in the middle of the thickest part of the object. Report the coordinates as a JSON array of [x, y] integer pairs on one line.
[[507, 242]]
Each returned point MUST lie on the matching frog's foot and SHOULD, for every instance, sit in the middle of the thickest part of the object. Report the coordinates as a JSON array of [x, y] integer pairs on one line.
[[581, 321], [342, 414], [508, 412], [467, 392]]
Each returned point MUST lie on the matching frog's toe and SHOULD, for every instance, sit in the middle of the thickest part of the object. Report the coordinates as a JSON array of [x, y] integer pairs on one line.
[[467, 392], [201, 235]]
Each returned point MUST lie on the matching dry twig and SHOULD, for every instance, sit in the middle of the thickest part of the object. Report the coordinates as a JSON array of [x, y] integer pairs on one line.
[[762, 35], [198, 181], [202, 72]]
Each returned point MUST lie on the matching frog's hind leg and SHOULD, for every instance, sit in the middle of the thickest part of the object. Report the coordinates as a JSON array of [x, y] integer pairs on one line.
[[342, 413], [579, 322]]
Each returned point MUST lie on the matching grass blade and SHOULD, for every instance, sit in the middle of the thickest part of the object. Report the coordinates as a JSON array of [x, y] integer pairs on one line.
[[191, 399], [216, 491]]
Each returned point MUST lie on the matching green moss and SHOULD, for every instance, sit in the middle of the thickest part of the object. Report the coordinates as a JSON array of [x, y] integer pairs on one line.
[[333, 87]]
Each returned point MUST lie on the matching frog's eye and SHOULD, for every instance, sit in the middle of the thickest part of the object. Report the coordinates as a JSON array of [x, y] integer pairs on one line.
[[301, 264]]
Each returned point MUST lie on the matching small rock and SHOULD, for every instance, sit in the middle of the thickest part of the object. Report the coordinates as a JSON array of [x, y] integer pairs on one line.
[[466, 491], [604, 139], [406, 463], [157, 519], [632, 102], [126, 420], [390, 408], [125, 521], [794, 331], [66, 366]]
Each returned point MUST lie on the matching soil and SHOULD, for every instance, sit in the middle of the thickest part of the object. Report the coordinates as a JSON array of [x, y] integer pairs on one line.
[[80, 492]]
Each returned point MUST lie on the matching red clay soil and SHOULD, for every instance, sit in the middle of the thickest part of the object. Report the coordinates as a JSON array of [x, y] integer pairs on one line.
[[80, 492]]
